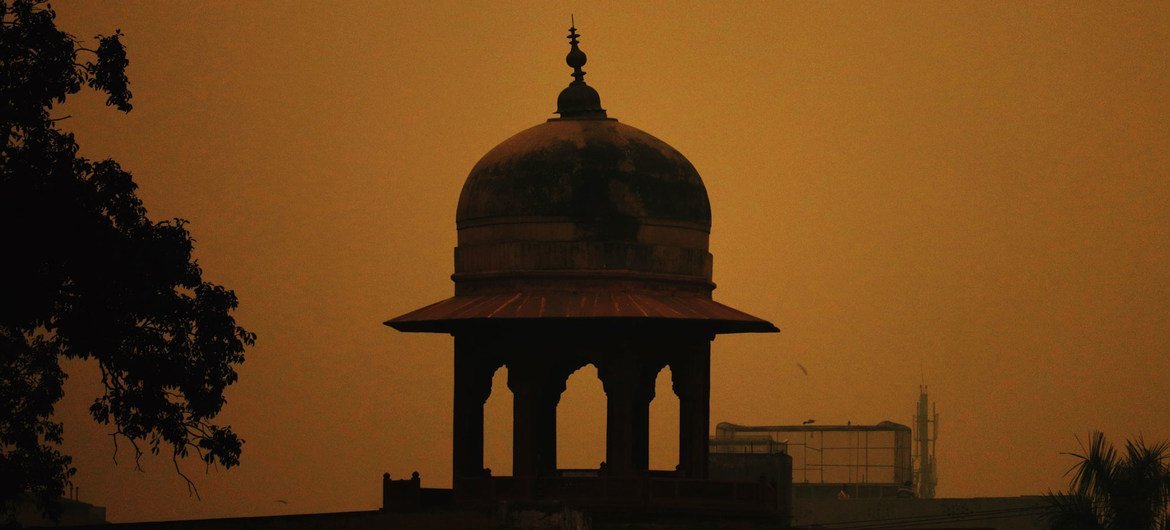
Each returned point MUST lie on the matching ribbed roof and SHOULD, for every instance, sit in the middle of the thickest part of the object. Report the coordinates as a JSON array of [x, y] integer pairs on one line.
[[458, 311]]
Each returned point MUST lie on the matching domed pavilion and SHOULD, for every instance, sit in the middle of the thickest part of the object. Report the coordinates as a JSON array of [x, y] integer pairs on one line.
[[581, 240]]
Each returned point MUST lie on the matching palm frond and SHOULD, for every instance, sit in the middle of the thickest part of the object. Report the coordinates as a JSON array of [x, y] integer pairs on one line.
[[1108, 490], [1073, 512], [1093, 475]]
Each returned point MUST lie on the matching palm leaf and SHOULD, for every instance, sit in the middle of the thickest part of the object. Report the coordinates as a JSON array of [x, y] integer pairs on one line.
[[1129, 491], [1072, 512], [1093, 475]]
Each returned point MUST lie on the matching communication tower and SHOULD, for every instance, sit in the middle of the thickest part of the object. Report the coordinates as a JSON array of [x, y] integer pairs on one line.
[[925, 437]]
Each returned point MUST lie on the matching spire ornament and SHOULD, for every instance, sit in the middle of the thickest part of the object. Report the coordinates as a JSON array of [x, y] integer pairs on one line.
[[576, 58], [578, 100]]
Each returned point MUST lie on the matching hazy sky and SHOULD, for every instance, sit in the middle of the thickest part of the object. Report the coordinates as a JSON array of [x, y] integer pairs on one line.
[[970, 194]]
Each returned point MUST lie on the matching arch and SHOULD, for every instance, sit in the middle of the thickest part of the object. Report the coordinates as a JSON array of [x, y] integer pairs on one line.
[[497, 426], [664, 410], [581, 416]]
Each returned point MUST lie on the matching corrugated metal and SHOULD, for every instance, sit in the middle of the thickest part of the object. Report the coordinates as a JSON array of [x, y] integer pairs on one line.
[[448, 314]]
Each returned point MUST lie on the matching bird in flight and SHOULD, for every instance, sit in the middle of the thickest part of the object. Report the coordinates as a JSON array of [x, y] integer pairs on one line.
[[807, 422]]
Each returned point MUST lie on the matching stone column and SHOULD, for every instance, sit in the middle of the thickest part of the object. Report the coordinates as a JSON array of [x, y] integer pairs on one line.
[[629, 388], [536, 390], [474, 366], [691, 372]]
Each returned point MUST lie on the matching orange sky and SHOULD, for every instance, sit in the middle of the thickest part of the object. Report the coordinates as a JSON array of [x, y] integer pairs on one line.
[[971, 194]]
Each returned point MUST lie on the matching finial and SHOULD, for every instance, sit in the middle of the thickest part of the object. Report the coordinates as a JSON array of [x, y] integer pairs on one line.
[[576, 58], [578, 99]]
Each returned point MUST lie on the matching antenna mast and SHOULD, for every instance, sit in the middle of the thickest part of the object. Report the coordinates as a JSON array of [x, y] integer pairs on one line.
[[926, 437]]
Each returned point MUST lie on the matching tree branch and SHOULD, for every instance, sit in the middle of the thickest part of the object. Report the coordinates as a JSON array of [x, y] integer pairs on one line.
[[191, 488]]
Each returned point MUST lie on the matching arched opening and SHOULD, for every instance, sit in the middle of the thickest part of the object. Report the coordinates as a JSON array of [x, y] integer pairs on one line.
[[497, 426], [581, 421], [664, 424]]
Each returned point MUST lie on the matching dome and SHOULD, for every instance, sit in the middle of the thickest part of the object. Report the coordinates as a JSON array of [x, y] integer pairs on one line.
[[593, 171], [582, 220], [583, 203], [589, 200]]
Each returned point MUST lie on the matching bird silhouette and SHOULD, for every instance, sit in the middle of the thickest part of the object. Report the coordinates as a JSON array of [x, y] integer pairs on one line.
[[806, 422]]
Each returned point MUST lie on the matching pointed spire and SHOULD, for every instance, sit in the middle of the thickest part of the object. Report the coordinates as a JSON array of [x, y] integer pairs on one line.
[[578, 100], [576, 58]]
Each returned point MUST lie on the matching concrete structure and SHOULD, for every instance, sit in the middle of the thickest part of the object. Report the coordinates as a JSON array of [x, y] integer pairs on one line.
[[581, 240], [748, 459], [864, 460]]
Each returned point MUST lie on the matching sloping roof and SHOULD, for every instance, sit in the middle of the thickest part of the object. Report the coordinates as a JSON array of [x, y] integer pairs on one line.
[[444, 316], [882, 426]]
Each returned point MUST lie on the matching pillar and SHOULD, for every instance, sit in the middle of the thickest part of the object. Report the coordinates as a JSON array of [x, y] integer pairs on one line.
[[474, 366], [536, 387], [629, 387], [691, 374]]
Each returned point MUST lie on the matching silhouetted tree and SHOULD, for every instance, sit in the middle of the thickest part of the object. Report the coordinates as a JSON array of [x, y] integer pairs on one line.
[[85, 274], [1111, 491]]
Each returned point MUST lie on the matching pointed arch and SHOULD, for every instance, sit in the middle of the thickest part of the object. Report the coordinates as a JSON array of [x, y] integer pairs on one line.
[[664, 410], [581, 417], [497, 437]]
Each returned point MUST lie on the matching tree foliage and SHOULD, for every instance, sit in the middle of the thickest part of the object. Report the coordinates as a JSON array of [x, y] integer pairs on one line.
[[1109, 490], [85, 274]]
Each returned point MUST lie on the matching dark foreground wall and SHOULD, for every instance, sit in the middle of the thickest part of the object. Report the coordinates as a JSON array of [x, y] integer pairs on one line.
[[552, 516], [371, 520], [1002, 513]]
